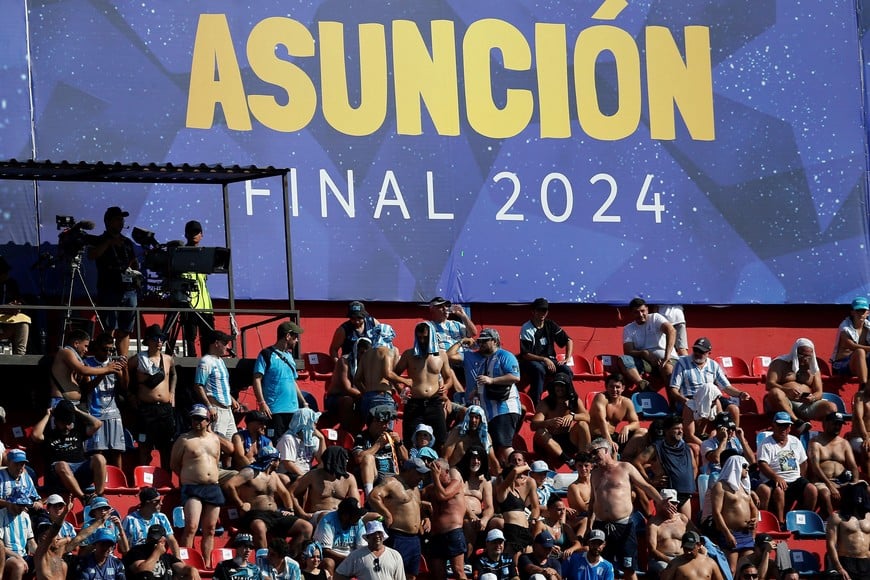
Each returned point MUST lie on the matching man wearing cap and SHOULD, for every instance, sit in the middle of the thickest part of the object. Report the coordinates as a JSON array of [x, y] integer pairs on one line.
[[539, 473], [692, 564], [14, 324], [675, 460], [397, 499], [101, 401], [589, 565], [794, 386], [539, 564], [100, 563], [254, 489], [136, 525], [117, 278], [451, 322], [492, 563], [647, 345], [69, 466], [377, 450], [55, 505], [561, 422], [198, 298], [212, 385], [239, 566], [726, 436], [99, 509], [340, 532], [491, 375], [248, 442], [375, 561], [275, 379], [664, 533], [68, 369], [154, 397], [539, 337], [15, 476], [358, 324], [151, 557], [832, 461], [760, 557], [16, 532], [783, 463], [851, 350], [698, 372], [195, 458]]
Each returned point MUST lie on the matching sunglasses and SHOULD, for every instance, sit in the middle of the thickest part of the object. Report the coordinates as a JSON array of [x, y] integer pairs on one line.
[[749, 576], [377, 565]]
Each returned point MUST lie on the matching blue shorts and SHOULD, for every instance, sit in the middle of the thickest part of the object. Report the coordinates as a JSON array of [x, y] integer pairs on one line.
[[744, 540], [81, 470], [502, 429], [209, 493], [372, 399], [408, 546], [116, 319], [841, 367], [447, 545]]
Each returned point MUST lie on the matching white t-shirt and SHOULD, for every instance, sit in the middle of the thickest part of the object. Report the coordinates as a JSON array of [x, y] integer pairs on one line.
[[785, 461], [290, 450], [360, 564], [648, 336]]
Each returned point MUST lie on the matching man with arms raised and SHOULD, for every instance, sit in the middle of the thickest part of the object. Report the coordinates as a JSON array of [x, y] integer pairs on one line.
[[692, 565], [848, 533], [647, 346], [195, 458], [398, 501], [611, 505], [611, 408], [154, 396], [446, 494]]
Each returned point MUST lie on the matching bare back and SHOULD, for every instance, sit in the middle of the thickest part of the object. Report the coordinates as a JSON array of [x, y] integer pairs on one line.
[[372, 368]]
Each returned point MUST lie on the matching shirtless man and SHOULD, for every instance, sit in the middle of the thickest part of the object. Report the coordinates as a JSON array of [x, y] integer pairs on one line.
[[48, 558], [321, 489], [832, 463], [254, 489], [445, 493], [860, 436], [374, 375], [68, 370], [664, 534], [608, 410], [848, 533], [693, 564], [398, 501], [343, 397], [195, 458], [794, 385], [579, 493], [734, 513], [471, 432], [611, 505], [154, 397], [427, 367]]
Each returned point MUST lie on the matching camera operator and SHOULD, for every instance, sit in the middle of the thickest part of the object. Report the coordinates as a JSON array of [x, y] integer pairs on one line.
[[117, 279], [200, 300]]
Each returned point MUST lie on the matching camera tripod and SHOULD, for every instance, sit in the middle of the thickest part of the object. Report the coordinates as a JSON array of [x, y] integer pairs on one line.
[[75, 273]]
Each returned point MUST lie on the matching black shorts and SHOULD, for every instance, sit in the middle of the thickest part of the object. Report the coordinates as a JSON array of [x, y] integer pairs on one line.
[[517, 538], [276, 522], [856, 567], [621, 547], [502, 429], [447, 545], [408, 546], [206, 493], [794, 492], [157, 423]]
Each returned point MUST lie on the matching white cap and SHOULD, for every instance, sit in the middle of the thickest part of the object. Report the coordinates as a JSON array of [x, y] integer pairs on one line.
[[54, 499], [670, 495], [540, 466], [494, 534]]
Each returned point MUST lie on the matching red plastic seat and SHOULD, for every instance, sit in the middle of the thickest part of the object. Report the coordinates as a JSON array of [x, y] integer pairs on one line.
[[320, 365], [218, 555], [590, 396], [604, 364], [191, 557], [152, 476], [768, 524], [760, 365], [527, 404], [582, 369], [735, 368], [115, 478], [338, 437]]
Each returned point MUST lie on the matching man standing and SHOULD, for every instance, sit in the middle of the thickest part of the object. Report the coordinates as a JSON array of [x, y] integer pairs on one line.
[[611, 505], [275, 375], [647, 346], [451, 324], [68, 369], [101, 397], [201, 317], [692, 565], [117, 278], [491, 374], [154, 395], [14, 324], [195, 458], [539, 338], [589, 565], [446, 494], [783, 463], [427, 367], [734, 513], [375, 561], [212, 385], [848, 533]]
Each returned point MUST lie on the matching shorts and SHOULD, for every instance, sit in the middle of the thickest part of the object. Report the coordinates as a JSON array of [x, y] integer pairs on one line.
[[275, 522], [856, 567], [806, 411], [224, 422], [683, 497], [517, 538], [408, 546], [621, 547], [744, 539], [636, 363], [109, 437], [82, 472], [503, 428], [371, 399], [682, 340], [564, 441], [447, 545], [209, 493], [156, 423], [116, 319], [841, 367], [794, 492]]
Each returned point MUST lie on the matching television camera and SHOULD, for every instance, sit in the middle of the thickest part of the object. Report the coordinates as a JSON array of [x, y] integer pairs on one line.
[[73, 236]]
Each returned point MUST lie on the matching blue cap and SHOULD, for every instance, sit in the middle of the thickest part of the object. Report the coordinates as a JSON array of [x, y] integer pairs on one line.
[[17, 456], [782, 418], [99, 502], [545, 539], [427, 453], [103, 535], [860, 303]]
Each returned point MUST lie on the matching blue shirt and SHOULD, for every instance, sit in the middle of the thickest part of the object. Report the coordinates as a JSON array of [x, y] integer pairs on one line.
[[279, 381], [577, 567], [212, 374], [332, 536], [112, 569], [688, 376], [101, 401], [24, 483], [500, 363]]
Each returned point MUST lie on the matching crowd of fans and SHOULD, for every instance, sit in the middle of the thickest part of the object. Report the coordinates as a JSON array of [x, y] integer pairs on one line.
[[454, 492]]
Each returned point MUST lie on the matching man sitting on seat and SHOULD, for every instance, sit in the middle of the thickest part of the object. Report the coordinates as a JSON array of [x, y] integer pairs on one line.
[[794, 386], [647, 346], [137, 524], [377, 450], [832, 462], [783, 462], [609, 409]]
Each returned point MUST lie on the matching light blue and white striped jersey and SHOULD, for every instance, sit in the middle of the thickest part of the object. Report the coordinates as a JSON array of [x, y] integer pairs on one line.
[[15, 531], [688, 376], [213, 375], [500, 363], [23, 482], [136, 527]]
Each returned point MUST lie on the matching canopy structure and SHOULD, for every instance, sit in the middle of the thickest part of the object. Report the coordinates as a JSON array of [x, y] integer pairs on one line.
[[186, 174]]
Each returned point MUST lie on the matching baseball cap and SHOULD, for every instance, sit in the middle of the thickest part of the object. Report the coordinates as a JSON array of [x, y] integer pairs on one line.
[[763, 539], [147, 494], [417, 464], [860, 303], [114, 212], [596, 536], [17, 456], [198, 411], [155, 532], [99, 502], [154, 331], [192, 228], [375, 526], [244, 539], [256, 416], [703, 344], [489, 334], [440, 301], [670, 495], [218, 335], [690, 539], [288, 327], [356, 308], [540, 304], [836, 416], [495, 535], [540, 466], [545, 539], [103, 535], [382, 413], [561, 378], [54, 499], [782, 418]]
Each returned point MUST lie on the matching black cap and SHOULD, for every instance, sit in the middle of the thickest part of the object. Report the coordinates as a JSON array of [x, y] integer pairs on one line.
[[256, 416], [540, 304], [763, 539], [703, 344], [440, 301], [690, 539], [356, 308], [218, 335], [114, 212], [561, 378], [836, 417], [155, 532], [154, 331], [147, 494], [192, 228]]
